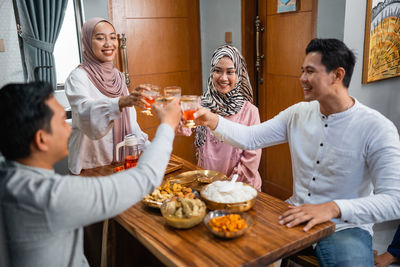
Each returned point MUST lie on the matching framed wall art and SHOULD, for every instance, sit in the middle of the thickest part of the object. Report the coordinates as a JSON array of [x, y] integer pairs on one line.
[[286, 6], [382, 40]]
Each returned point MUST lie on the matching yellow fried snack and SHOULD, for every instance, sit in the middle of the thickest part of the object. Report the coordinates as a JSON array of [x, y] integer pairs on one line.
[[228, 223], [168, 191]]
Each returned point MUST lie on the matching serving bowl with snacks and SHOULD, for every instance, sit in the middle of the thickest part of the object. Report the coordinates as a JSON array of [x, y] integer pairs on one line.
[[167, 191], [198, 178], [241, 196], [226, 224], [183, 213]]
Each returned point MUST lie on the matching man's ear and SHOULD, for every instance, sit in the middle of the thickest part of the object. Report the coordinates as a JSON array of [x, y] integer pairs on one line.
[[40, 141], [339, 74]]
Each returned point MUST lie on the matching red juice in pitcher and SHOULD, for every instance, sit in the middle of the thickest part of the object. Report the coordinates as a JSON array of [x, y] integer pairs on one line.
[[130, 161]]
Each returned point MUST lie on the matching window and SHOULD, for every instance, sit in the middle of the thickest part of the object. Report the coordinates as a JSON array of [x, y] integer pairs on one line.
[[67, 48]]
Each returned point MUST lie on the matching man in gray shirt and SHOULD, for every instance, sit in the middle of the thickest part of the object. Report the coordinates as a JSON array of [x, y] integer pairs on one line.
[[44, 212]]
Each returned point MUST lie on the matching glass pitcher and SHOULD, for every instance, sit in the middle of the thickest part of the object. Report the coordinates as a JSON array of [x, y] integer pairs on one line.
[[131, 151]]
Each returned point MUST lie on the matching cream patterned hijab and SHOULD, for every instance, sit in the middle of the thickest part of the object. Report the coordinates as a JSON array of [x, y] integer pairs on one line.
[[225, 104]]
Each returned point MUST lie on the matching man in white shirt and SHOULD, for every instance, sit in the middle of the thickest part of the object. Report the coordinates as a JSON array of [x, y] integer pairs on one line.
[[345, 156], [44, 212]]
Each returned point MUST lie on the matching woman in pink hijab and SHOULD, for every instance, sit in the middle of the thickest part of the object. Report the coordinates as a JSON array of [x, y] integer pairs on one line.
[[100, 101]]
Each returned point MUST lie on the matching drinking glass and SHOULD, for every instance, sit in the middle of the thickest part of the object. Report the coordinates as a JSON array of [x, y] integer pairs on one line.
[[163, 100], [174, 91], [154, 92], [189, 105]]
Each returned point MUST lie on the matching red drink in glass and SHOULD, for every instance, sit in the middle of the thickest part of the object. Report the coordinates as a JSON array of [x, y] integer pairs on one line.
[[188, 114], [151, 102], [130, 161]]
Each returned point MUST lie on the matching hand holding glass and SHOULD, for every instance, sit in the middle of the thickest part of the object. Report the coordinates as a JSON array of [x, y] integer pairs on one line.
[[154, 92], [189, 104]]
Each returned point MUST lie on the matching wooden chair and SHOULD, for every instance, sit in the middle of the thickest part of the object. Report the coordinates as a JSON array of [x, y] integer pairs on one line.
[[304, 258]]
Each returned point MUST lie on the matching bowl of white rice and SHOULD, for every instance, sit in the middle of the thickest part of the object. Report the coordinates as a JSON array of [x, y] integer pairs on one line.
[[241, 196]]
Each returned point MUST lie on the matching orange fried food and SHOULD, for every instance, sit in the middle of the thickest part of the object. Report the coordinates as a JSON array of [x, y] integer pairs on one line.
[[118, 169], [228, 223]]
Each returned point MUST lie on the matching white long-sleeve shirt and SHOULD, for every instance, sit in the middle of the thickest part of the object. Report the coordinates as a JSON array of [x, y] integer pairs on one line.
[[44, 212], [93, 115], [351, 157]]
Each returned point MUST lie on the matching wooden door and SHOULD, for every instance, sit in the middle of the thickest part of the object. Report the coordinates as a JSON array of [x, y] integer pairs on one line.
[[284, 41], [163, 48]]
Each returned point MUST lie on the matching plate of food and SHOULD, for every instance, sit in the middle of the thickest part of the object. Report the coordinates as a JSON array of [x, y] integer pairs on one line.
[[183, 213], [167, 191], [241, 196], [198, 178], [227, 225]]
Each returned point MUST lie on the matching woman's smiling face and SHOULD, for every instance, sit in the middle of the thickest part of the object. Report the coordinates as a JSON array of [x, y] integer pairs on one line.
[[104, 42], [224, 75]]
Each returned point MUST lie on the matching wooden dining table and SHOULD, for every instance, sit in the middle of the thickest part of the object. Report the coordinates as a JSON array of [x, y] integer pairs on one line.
[[265, 242]]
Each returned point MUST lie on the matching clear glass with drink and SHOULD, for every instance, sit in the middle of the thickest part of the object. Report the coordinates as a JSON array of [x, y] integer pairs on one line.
[[163, 100], [154, 93], [189, 104], [174, 91]]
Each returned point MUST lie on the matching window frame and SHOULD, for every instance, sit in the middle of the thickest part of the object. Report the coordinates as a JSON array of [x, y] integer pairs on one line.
[[79, 18]]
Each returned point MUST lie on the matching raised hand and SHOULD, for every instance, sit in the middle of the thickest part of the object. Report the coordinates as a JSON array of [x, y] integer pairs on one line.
[[137, 98], [170, 114], [205, 117]]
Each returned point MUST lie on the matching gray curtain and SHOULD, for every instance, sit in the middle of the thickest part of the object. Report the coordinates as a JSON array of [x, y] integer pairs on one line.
[[3, 245], [40, 22]]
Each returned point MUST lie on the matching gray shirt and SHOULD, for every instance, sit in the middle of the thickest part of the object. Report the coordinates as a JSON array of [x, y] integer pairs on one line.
[[44, 212]]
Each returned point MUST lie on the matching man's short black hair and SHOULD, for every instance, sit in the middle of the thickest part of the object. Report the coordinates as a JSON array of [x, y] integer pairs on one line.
[[23, 112], [334, 54]]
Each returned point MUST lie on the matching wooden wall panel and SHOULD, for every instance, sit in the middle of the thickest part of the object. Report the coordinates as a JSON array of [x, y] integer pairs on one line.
[[249, 13], [285, 88], [194, 44], [156, 8], [164, 51], [163, 47], [283, 91], [279, 182], [286, 43]]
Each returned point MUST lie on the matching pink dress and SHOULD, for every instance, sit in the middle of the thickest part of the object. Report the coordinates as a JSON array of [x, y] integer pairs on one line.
[[218, 156]]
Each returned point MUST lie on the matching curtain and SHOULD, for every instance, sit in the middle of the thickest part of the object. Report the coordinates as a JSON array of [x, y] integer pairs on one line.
[[40, 22]]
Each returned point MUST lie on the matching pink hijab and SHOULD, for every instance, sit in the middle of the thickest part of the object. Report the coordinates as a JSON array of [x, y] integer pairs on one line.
[[108, 80]]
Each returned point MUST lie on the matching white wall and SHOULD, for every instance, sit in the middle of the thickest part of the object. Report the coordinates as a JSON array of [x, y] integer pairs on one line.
[[216, 18], [383, 96], [95, 8], [330, 19], [10, 60]]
